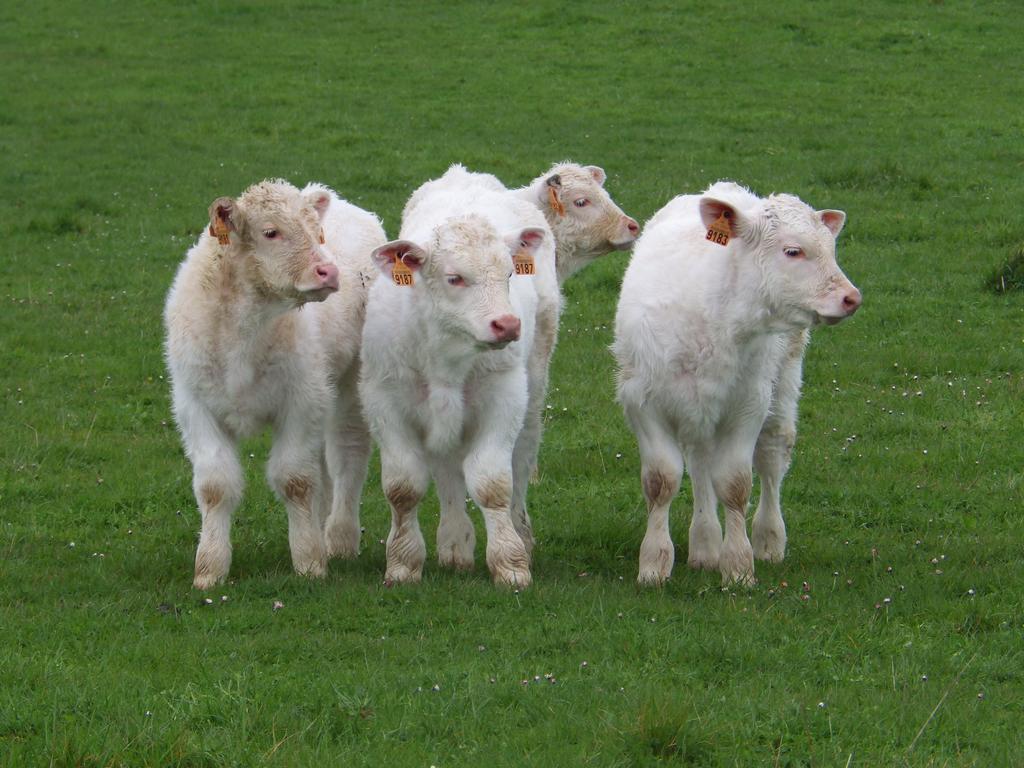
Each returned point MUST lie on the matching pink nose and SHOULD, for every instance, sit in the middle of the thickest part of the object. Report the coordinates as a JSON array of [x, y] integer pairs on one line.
[[851, 302], [327, 275], [506, 328], [632, 226]]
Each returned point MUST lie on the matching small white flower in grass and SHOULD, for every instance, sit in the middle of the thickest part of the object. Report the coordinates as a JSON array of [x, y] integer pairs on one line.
[[981, 695], [536, 678], [436, 688], [148, 713], [208, 601], [71, 545], [924, 678], [223, 598], [583, 664], [970, 592], [278, 605], [821, 705], [886, 601]]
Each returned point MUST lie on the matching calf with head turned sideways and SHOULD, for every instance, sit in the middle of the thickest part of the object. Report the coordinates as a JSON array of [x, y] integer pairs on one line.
[[710, 333], [262, 329], [446, 349]]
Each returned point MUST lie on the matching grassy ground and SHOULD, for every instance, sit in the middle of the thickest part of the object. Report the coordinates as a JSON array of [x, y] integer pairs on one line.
[[891, 635]]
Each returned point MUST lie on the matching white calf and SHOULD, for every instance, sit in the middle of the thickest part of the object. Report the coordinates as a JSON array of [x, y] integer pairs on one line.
[[584, 219], [446, 347], [247, 346], [709, 337]]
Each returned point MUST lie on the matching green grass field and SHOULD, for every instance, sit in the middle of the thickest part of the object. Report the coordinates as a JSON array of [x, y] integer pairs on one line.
[[118, 127]]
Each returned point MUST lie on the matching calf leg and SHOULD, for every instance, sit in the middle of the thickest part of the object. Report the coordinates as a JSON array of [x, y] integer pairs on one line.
[[661, 469], [456, 537], [705, 530], [217, 483], [773, 452], [295, 472], [404, 478], [348, 455], [489, 480], [524, 456]]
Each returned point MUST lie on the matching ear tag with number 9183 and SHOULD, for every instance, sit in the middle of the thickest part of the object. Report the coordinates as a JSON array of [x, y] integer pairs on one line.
[[720, 231]]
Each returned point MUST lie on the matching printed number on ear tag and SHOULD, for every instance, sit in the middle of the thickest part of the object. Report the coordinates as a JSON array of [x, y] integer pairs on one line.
[[524, 264], [401, 274], [220, 230], [719, 231]]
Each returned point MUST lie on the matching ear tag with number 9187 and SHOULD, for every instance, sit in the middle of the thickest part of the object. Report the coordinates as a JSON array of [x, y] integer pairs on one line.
[[400, 273], [524, 264]]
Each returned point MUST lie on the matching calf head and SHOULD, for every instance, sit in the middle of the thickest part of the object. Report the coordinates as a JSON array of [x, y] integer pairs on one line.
[[273, 235], [794, 247], [585, 220], [463, 275]]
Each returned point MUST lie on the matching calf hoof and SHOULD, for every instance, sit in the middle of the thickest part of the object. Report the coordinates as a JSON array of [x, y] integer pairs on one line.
[[517, 578], [509, 565], [313, 569], [768, 546], [402, 574], [207, 581], [703, 561], [455, 560], [212, 565], [737, 568], [652, 577], [342, 541], [657, 557]]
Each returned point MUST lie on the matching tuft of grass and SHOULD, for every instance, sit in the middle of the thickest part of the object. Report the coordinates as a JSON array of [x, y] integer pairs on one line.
[[1009, 276]]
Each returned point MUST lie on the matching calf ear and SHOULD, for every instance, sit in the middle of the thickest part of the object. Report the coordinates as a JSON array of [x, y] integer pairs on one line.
[[225, 211], [224, 217], [319, 197], [551, 194], [406, 251], [711, 209], [834, 220], [527, 240], [597, 172]]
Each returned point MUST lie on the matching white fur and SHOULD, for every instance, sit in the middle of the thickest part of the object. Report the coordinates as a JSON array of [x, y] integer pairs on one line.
[[709, 342], [246, 350], [438, 399]]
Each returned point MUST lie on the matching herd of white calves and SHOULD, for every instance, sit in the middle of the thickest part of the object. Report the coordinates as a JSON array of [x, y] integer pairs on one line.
[[294, 311]]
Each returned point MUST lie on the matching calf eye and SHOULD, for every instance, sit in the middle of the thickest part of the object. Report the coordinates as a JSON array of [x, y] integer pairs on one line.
[[793, 253], [270, 234], [455, 280], [581, 203]]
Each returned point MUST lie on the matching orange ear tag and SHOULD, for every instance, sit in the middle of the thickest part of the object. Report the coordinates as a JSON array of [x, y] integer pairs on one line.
[[524, 263], [720, 231], [220, 230], [556, 204], [400, 273], [322, 241]]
